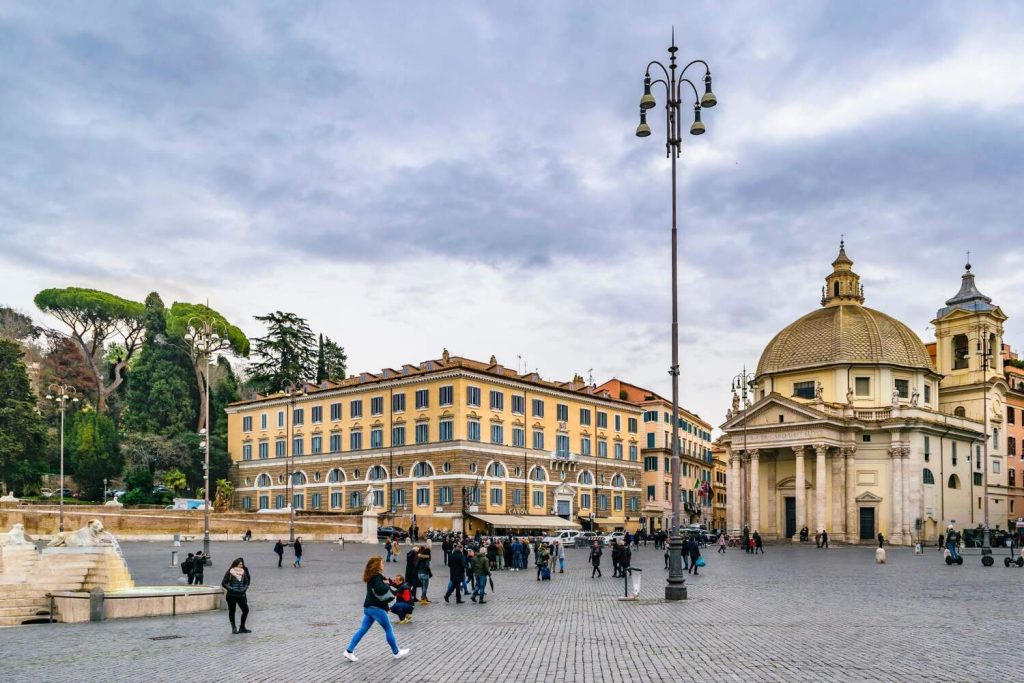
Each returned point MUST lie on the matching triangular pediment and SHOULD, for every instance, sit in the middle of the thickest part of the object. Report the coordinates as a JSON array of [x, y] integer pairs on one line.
[[766, 412], [790, 483], [868, 497], [565, 489]]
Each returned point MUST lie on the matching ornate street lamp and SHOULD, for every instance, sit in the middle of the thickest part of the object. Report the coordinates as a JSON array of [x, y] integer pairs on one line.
[[61, 394], [675, 85], [294, 390]]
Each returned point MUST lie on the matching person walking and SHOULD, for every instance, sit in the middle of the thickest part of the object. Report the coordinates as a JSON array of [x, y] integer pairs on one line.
[[543, 560], [195, 575], [694, 556], [456, 574], [387, 549], [375, 606], [298, 553], [616, 559], [560, 554], [423, 572], [824, 541], [759, 543], [721, 543], [481, 570], [411, 560], [186, 567], [625, 559], [881, 539], [446, 549], [279, 549], [595, 559], [235, 584]]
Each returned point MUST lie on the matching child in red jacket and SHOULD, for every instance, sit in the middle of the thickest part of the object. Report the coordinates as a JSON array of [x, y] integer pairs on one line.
[[402, 608]]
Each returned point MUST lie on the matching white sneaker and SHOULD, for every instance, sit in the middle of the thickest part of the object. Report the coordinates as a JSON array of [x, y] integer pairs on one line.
[[351, 656], [401, 653]]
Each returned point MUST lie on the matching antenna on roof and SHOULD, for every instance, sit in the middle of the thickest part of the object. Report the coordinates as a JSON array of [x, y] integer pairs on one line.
[[590, 376]]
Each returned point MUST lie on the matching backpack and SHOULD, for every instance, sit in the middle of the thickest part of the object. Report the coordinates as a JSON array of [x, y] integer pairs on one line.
[[186, 566]]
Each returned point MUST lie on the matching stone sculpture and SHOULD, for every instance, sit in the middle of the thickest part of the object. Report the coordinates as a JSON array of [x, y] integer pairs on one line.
[[915, 397], [91, 534], [17, 536]]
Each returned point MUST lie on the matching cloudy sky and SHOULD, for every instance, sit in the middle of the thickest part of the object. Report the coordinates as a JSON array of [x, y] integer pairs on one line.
[[412, 176]]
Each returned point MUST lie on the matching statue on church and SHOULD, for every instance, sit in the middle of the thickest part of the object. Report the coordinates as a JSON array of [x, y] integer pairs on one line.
[[728, 414], [849, 396], [819, 392], [895, 398], [915, 397], [735, 403]]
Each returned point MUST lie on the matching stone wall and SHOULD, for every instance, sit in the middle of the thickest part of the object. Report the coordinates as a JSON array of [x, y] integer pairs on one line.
[[160, 525]]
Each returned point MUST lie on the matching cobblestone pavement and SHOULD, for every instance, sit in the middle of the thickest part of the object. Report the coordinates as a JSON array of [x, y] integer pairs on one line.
[[794, 614]]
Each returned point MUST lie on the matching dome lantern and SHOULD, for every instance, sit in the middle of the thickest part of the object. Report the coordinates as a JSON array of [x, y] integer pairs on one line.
[[842, 286]]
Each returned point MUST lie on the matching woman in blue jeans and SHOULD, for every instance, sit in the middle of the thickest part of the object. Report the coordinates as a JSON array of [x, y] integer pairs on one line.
[[375, 606]]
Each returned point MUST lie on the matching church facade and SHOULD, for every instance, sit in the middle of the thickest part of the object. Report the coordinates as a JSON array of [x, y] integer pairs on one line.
[[859, 428]]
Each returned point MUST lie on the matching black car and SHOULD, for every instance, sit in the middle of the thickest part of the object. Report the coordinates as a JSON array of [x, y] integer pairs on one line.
[[385, 532]]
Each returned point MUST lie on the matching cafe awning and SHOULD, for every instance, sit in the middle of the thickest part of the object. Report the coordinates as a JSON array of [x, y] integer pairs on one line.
[[525, 521]]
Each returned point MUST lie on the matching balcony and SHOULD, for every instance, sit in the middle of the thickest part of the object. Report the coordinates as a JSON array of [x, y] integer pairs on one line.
[[564, 457]]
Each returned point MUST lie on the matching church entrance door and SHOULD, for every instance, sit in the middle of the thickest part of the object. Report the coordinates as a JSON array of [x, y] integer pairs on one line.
[[867, 524], [790, 517]]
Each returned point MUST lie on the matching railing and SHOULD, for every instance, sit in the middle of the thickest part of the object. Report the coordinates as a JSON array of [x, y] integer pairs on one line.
[[564, 456]]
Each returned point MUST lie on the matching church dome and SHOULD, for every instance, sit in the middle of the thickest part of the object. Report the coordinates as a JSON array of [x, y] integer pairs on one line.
[[843, 331]]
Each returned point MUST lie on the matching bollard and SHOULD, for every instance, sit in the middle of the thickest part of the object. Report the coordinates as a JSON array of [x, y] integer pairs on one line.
[[96, 598], [174, 558]]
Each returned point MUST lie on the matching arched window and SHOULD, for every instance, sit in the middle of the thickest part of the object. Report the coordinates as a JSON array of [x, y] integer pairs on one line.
[[298, 479], [422, 469], [335, 476], [954, 482], [377, 473], [960, 352], [618, 481], [538, 474], [929, 478], [263, 480], [496, 469], [959, 411], [586, 478]]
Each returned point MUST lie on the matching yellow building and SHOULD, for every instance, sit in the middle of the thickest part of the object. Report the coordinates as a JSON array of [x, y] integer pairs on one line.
[[696, 481], [720, 486], [443, 444], [856, 431]]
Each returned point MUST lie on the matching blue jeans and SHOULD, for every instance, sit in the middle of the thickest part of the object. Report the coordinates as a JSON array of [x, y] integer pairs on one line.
[[388, 551], [481, 585], [401, 609], [686, 560], [561, 564], [370, 615], [951, 547], [424, 582]]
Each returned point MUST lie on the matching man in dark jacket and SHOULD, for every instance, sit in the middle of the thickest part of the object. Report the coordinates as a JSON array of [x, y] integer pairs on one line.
[[457, 574], [481, 570], [198, 565], [595, 559], [279, 549], [411, 563]]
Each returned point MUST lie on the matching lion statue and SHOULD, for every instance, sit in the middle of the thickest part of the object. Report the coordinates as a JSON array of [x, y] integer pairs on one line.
[[91, 534], [17, 536]]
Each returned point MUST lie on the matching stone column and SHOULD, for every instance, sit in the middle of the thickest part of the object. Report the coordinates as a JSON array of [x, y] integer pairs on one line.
[[838, 493], [772, 506], [755, 491], [733, 491], [850, 482], [908, 513], [800, 488], [896, 505], [819, 486]]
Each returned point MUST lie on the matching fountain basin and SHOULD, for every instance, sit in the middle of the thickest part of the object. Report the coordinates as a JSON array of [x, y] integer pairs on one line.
[[141, 601]]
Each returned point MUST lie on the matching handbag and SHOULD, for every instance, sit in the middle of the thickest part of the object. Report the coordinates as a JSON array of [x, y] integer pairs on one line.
[[700, 561]]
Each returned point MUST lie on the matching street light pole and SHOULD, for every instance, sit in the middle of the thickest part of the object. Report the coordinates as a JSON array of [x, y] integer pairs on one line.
[[743, 383], [207, 335], [673, 84], [293, 389], [985, 350], [62, 393]]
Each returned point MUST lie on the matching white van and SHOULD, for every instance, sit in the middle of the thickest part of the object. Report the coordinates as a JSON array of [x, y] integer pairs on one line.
[[565, 536]]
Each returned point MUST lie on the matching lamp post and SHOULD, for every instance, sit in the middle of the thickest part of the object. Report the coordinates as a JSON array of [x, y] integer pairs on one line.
[[675, 84], [744, 384], [294, 390], [985, 353], [207, 335], [61, 394]]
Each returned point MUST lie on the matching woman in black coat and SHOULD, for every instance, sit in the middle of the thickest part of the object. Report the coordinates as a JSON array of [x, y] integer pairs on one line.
[[694, 554], [235, 584], [412, 559], [457, 569]]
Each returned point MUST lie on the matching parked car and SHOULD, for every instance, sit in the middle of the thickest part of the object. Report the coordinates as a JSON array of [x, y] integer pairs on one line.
[[56, 493], [385, 532], [566, 537], [160, 488], [614, 537]]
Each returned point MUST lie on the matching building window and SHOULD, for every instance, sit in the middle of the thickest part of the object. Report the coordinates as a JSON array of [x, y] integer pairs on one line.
[[618, 503], [954, 454], [650, 463], [562, 412], [247, 423], [422, 470], [317, 414], [247, 451], [586, 478], [862, 386], [444, 495], [1012, 476], [518, 404], [316, 444], [631, 425], [264, 450], [355, 440], [497, 434], [297, 444], [247, 502], [1011, 445], [929, 478], [995, 438], [927, 448], [496, 469], [954, 482], [298, 416], [279, 448], [398, 435], [280, 419], [473, 396], [562, 444], [279, 502], [496, 496], [618, 423], [927, 393], [997, 467], [473, 430], [538, 439], [633, 452], [961, 354], [377, 405], [650, 416], [398, 498], [376, 473], [618, 451], [423, 432], [977, 478], [960, 411], [422, 496], [518, 437], [446, 467], [378, 498], [538, 499], [602, 448], [397, 403], [355, 408], [335, 476], [804, 389], [335, 411], [902, 388], [422, 399], [602, 501], [537, 407], [497, 400], [517, 497], [865, 438], [314, 501], [446, 430], [602, 420], [263, 421], [355, 499], [538, 474], [585, 501], [473, 495], [446, 395], [650, 439], [1011, 415], [585, 446], [376, 438], [585, 417]]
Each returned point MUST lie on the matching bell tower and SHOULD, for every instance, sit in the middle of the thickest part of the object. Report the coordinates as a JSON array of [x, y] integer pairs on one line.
[[842, 286]]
